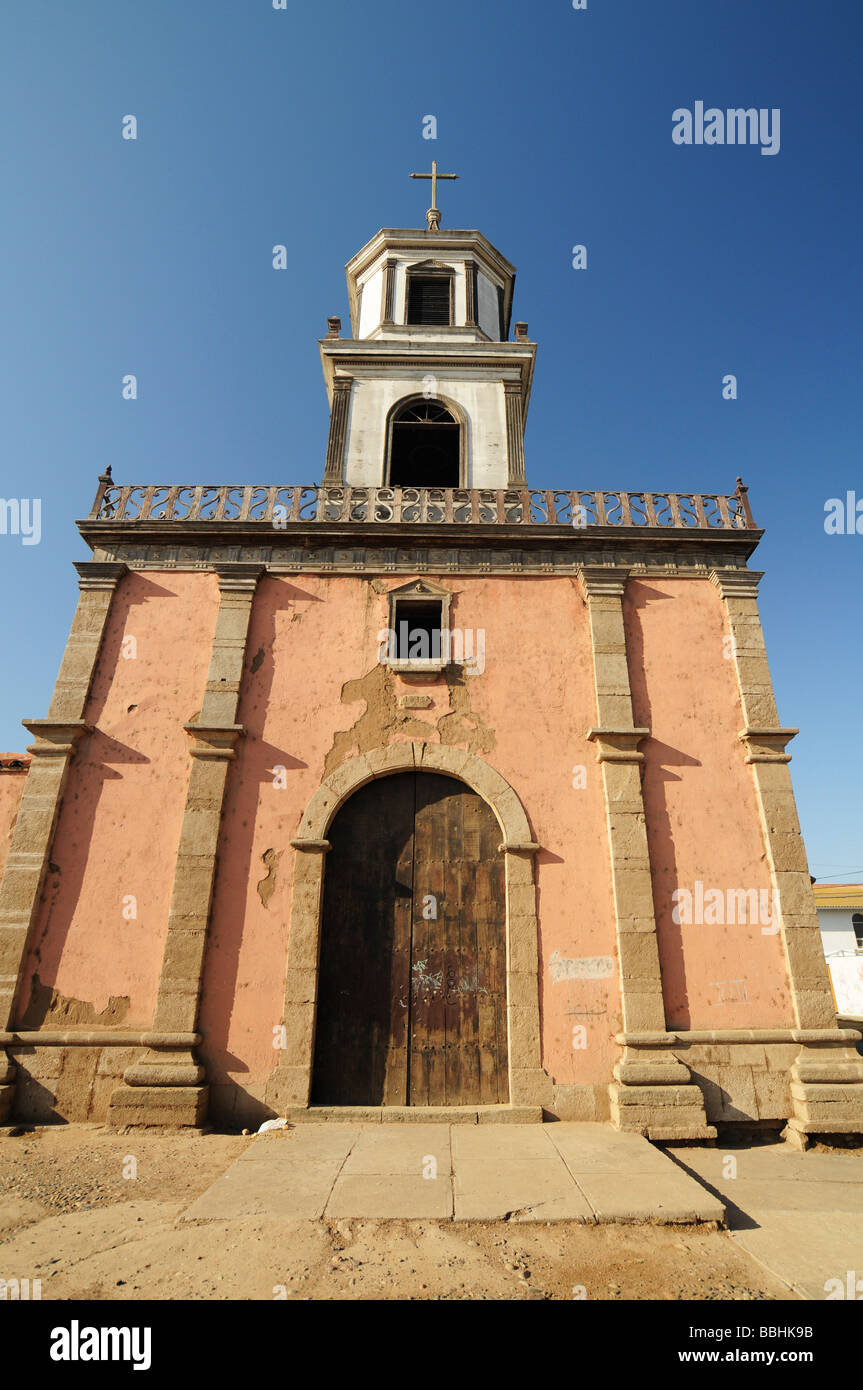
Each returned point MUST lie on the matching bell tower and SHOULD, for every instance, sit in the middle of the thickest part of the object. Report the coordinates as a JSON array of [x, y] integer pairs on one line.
[[428, 391]]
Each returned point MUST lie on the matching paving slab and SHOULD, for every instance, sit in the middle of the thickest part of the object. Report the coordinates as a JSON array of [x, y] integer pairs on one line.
[[308, 1144], [809, 1253], [401, 1152], [536, 1190], [284, 1189], [639, 1198], [592, 1148], [479, 1172], [800, 1215], [391, 1197], [485, 1143]]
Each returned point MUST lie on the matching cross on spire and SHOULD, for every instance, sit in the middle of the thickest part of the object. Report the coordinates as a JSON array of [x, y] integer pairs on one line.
[[433, 214]]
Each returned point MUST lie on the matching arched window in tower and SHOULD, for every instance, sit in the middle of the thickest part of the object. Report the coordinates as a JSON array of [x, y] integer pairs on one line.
[[425, 446]]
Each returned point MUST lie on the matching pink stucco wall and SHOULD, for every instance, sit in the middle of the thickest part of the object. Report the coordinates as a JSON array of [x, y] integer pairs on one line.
[[314, 694], [702, 817], [528, 715], [119, 824]]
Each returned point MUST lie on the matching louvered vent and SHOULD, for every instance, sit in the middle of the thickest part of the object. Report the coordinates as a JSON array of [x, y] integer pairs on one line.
[[428, 299]]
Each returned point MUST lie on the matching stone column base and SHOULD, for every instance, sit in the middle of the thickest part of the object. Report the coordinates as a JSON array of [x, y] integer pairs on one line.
[[653, 1094], [161, 1088], [158, 1106], [8, 1072], [826, 1093]]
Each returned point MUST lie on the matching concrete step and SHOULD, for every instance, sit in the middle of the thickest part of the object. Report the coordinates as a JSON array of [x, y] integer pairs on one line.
[[418, 1114]]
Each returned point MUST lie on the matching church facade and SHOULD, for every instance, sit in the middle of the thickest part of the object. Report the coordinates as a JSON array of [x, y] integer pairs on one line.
[[417, 792]]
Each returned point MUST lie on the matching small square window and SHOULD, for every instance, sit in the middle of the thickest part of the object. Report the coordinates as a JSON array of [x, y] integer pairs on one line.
[[417, 633]]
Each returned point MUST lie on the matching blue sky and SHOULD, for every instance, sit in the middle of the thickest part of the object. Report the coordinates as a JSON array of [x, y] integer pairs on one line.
[[258, 126]]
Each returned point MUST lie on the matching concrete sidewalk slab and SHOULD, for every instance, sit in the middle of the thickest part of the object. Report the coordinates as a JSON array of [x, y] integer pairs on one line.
[[309, 1145], [589, 1148], [649, 1198], [391, 1197], [286, 1188], [481, 1172], [800, 1215], [401, 1152], [537, 1190], [485, 1144]]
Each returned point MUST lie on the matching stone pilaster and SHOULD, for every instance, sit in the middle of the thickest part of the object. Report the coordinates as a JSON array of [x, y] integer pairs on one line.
[[54, 744], [338, 429], [167, 1086], [830, 1097], [652, 1092], [470, 293], [388, 295], [514, 433]]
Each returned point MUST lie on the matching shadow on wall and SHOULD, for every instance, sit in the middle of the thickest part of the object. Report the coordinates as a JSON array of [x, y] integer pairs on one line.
[[64, 879], [238, 874], [659, 761]]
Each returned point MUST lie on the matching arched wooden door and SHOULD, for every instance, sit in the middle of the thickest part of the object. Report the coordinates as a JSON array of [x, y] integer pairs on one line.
[[412, 987]]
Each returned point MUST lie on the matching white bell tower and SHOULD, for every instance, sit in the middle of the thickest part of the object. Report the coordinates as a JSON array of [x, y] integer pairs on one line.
[[428, 391]]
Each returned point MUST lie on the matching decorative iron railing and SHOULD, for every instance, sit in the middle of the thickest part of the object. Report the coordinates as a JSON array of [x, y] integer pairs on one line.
[[281, 507]]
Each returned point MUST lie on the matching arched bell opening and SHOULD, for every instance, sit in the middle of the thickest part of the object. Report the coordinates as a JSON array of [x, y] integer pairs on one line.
[[425, 445]]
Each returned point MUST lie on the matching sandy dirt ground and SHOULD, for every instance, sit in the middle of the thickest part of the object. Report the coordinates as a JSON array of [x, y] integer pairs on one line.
[[73, 1215]]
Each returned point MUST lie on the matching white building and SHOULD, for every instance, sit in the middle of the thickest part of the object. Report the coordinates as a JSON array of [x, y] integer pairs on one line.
[[840, 917]]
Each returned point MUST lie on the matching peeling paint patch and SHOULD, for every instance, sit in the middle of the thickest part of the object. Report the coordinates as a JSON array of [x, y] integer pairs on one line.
[[47, 1005], [383, 718], [580, 968], [267, 885]]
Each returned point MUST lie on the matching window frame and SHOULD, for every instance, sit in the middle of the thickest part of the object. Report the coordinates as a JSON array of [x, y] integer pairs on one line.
[[419, 595], [430, 272], [461, 422]]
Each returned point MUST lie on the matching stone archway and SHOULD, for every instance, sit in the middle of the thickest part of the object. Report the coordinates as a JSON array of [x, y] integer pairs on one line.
[[290, 1083]]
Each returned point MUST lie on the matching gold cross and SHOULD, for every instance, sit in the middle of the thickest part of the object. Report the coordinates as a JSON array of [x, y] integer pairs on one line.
[[433, 214]]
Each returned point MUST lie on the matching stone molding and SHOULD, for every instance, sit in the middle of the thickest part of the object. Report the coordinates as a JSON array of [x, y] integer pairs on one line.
[[729, 1036], [416, 551], [737, 583], [618, 745], [767, 745], [290, 1084], [96, 1037]]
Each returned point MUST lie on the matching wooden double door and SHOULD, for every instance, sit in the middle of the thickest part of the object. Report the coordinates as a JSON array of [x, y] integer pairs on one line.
[[412, 987]]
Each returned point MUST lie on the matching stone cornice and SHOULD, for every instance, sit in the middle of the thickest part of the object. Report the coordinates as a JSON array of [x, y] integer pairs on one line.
[[55, 738], [350, 355], [405, 548], [736, 583], [214, 741], [96, 574], [597, 581], [767, 745], [618, 745], [238, 576]]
